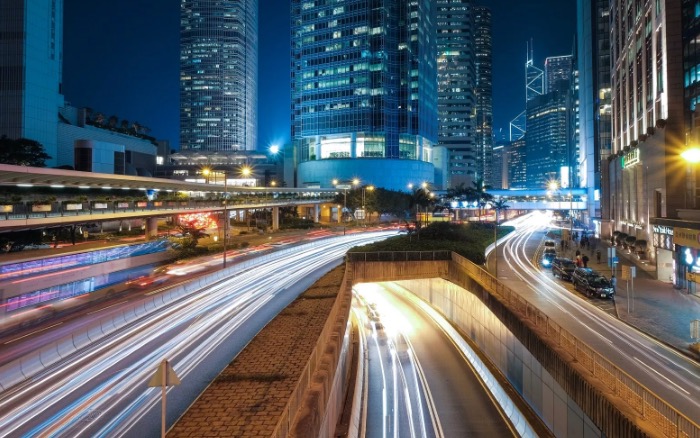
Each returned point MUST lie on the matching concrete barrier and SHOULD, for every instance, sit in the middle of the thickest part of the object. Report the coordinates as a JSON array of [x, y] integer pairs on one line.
[[11, 374], [22, 369], [65, 347], [32, 365], [49, 355]]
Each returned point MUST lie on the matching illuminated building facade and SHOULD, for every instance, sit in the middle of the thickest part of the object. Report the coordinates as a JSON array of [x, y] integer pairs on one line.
[[646, 178], [31, 52], [547, 138], [218, 76], [484, 97], [456, 90], [364, 92], [595, 109]]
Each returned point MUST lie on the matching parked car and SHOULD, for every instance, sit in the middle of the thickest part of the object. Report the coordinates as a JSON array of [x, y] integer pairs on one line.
[[563, 268], [549, 244], [580, 277], [547, 259], [600, 287]]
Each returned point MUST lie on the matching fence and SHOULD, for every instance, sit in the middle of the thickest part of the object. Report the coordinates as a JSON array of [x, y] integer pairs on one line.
[[663, 417]]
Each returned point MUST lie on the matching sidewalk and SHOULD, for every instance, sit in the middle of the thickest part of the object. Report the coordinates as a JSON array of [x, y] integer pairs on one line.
[[652, 306]]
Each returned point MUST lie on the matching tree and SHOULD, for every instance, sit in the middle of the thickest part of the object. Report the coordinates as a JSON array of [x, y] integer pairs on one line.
[[499, 205], [480, 195], [22, 152]]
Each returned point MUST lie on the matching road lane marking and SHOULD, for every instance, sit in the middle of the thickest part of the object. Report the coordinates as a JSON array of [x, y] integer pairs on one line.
[[661, 375], [104, 308], [32, 333]]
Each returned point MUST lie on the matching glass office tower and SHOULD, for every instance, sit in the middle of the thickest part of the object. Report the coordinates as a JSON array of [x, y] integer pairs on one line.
[[31, 52], [364, 98], [218, 76], [484, 98], [456, 83]]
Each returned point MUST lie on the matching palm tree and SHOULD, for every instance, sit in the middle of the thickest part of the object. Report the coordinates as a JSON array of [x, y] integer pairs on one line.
[[479, 194], [498, 205]]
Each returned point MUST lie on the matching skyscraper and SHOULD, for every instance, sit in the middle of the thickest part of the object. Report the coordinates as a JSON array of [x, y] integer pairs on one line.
[[557, 72], [593, 60], [218, 76], [456, 90], [484, 97], [364, 97], [547, 138], [31, 52]]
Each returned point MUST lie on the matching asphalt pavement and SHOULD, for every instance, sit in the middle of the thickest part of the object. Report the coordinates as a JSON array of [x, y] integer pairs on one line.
[[654, 307]]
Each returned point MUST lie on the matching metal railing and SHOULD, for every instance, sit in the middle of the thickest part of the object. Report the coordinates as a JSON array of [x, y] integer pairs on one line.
[[399, 256], [668, 421]]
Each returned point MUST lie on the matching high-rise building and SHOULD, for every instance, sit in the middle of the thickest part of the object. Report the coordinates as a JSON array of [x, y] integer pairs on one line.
[[517, 164], [484, 96], [557, 73], [534, 86], [364, 92], [646, 175], [31, 52], [593, 64], [547, 138], [456, 93], [218, 76]]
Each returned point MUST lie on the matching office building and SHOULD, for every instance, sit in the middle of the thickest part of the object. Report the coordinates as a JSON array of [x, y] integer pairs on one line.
[[218, 77], [646, 175], [456, 90], [547, 139], [595, 108], [31, 51], [557, 73], [517, 164], [364, 92], [484, 96]]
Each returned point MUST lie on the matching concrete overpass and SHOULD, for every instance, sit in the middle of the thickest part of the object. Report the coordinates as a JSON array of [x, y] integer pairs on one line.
[[69, 198]]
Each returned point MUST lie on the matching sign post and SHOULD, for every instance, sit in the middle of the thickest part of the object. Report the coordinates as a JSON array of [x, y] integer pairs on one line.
[[164, 376], [628, 274]]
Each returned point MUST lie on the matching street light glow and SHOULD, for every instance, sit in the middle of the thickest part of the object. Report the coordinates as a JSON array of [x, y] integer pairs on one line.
[[274, 149], [691, 155], [355, 181], [245, 171]]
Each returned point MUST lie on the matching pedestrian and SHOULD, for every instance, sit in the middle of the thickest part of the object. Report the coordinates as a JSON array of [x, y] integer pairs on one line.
[[585, 259], [578, 253], [613, 282], [562, 244], [597, 255], [579, 262]]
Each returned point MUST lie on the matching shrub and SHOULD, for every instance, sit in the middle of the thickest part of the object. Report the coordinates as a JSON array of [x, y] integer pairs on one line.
[[468, 240]]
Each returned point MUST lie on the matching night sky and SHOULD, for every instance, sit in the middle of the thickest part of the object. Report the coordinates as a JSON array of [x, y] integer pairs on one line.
[[122, 58]]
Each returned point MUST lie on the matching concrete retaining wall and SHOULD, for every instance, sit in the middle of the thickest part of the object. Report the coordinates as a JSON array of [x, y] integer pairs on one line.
[[569, 404]]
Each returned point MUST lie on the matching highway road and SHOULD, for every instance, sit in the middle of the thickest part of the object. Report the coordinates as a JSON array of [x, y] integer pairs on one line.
[[102, 390], [672, 376], [419, 383]]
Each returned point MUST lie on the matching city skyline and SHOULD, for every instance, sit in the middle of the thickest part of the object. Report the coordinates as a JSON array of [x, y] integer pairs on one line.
[[132, 69]]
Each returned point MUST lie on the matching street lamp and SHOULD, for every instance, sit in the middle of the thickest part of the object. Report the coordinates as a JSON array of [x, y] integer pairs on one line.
[[206, 172], [345, 201]]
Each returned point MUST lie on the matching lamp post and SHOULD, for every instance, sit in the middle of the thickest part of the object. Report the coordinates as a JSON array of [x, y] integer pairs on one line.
[[226, 218], [345, 202], [206, 173], [364, 209]]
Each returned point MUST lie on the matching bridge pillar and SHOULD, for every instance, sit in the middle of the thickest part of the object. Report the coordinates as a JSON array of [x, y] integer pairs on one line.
[[275, 218], [151, 228]]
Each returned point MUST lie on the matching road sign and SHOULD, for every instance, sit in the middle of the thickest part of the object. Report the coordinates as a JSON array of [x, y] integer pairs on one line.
[[359, 214]]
